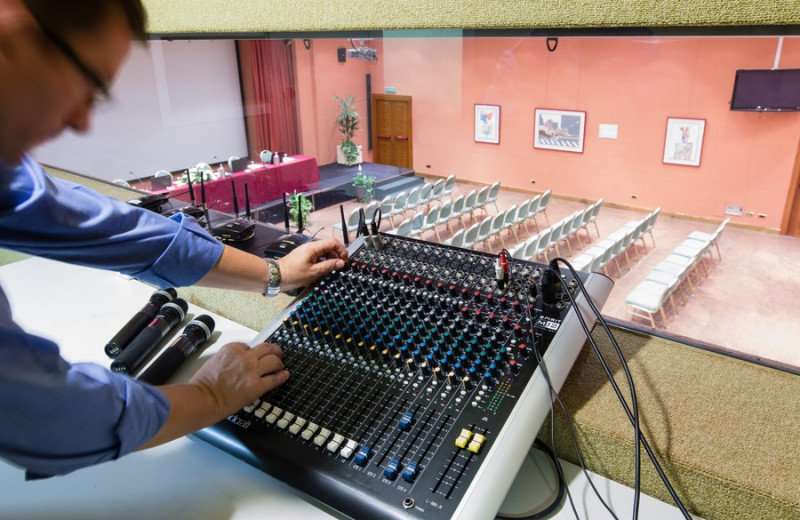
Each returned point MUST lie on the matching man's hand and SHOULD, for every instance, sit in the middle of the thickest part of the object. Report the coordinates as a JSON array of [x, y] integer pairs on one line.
[[238, 375], [234, 377], [311, 261]]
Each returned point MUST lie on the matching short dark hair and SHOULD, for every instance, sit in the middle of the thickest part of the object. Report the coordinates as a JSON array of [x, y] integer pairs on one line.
[[64, 16]]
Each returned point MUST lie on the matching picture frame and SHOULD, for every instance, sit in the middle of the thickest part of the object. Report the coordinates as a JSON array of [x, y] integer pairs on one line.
[[683, 142], [487, 124], [563, 130]]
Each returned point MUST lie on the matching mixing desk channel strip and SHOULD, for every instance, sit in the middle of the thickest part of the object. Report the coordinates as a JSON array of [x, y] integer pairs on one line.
[[414, 389]]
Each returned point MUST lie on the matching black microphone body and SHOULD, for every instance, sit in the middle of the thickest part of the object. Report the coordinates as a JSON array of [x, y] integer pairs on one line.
[[138, 322], [194, 335], [169, 316]]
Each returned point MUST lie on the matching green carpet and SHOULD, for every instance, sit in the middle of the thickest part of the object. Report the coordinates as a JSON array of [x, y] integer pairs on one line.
[[726, 430], [254, 16]]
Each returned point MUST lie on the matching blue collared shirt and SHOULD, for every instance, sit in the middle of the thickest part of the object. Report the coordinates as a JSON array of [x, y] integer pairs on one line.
[[56, 417]]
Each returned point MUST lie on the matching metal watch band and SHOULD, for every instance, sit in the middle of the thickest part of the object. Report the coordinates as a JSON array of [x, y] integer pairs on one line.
[[274, 284]]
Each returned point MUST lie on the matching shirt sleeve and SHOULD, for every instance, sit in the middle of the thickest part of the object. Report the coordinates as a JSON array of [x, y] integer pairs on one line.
[[57, 219], [59, 417]]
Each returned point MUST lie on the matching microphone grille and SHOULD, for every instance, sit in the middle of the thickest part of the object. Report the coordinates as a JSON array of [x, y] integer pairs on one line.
[[206, 320]]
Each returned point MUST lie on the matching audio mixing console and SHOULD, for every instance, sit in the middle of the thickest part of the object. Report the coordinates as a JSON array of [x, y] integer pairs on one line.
[[415, 390]]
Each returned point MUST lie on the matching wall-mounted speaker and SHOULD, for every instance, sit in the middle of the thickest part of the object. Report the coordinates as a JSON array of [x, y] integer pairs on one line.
[[341, 54]]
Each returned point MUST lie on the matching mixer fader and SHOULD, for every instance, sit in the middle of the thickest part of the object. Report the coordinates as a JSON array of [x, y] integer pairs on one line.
[[415, 390]]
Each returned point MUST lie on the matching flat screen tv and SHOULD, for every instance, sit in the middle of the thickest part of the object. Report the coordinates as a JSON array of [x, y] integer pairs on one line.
[[766, 90]]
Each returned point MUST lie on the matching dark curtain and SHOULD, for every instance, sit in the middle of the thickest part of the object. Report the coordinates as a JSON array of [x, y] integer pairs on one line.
[[272, 109]]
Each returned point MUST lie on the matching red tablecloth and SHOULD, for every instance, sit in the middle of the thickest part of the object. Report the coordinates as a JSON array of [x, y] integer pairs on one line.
[[265, 183]]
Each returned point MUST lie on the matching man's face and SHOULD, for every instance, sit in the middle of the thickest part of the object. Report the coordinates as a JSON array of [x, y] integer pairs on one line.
[[45, 88]]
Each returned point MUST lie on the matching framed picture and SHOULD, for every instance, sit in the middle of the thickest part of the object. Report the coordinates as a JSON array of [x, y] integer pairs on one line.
[[487, 124], [684, 141], [559, 129]]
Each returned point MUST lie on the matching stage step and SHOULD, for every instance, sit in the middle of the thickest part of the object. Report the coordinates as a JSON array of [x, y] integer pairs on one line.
[[396, 185]]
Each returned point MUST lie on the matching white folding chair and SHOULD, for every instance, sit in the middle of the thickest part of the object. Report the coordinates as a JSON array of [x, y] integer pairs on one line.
[[432, 220], [457, 240], [470, 236], [543, 203], [352, 223], [494, 191], [458, 208], [449, 184]]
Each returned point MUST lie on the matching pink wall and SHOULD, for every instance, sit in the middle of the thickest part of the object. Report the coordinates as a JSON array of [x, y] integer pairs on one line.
[[635, 83], [320, 76]]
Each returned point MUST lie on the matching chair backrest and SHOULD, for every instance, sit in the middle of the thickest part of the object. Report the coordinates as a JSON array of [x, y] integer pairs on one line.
[[651, 221], [404, 229], [412, 201], [597, 263], [545, 200], [432, 218], [417, 223], [469, 202], [399, 204], [533, 209], [494, 191], [449, 184], [497, 222], [121, 182], [372, 207], [352, 220], [457, 240], [721, 228], [387, 204], [485, 228], [470, 236], [458, 206], [483, 196], [445, 211], [425, 193], [555, 231], [522, 211], [530, 246], [597, 206], [518, 251], [544, 241], [577, 221], [265, 156], [511, 216], [587, 215], [438, 186]]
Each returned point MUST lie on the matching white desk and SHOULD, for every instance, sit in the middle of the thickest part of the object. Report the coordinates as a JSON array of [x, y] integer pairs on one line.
[[82, 309]]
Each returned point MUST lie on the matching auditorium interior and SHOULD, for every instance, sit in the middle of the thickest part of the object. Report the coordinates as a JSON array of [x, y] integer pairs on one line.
[[633, 119]]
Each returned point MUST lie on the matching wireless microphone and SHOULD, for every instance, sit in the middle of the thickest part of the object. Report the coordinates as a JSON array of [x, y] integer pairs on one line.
[[169, 316], [194, 335], [138, 322]]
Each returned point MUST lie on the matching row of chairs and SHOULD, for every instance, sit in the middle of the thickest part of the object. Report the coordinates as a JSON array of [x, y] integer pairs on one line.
[[649, 297], [436, 216], [616, 244], [403, 202], [508, 220], [541, 243]]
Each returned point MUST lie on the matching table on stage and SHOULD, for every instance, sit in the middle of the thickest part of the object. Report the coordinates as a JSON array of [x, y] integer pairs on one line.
[[265, 182]]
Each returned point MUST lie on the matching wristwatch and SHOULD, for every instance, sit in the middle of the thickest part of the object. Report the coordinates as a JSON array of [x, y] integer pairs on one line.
[[274, 284]]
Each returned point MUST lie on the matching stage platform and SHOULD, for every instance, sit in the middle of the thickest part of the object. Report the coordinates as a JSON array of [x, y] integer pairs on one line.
[[335, 187]]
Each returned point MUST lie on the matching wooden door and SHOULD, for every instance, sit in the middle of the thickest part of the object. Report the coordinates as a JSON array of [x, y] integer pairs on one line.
[[391, 130], [792, 214]]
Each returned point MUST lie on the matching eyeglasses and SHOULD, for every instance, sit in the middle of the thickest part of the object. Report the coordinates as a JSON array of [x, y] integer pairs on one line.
[[103, 89]]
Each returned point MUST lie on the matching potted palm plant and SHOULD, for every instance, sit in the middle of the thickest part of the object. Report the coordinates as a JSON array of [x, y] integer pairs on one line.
[[348, 153], [363, 186], [294, 207]]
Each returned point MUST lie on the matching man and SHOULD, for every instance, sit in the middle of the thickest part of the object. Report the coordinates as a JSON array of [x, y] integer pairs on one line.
[[56, 59]]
